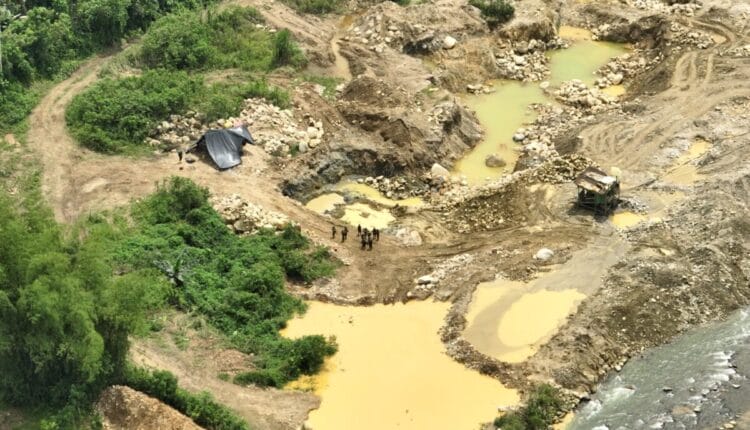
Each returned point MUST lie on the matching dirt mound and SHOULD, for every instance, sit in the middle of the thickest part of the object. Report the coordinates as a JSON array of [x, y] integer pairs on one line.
[[123, 408]]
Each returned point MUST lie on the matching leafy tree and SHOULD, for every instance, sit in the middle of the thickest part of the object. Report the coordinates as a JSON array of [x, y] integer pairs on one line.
[[105, 20], [64, 318]]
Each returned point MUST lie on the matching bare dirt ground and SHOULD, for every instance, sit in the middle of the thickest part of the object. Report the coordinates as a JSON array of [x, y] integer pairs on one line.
[[706, 96]]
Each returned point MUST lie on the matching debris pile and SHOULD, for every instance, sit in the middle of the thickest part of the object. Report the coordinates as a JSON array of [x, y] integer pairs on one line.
[[246, 218], [123, 408], [576, 93], [687, 8], [682, 35], [273, 128], [428, 282]]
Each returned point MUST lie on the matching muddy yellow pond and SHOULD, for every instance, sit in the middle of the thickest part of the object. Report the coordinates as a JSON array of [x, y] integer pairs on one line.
[[367, 216], [505, 110], [501, 113], [391, 371], [376, 196], [627, 219], [509, 323], [325, 202]]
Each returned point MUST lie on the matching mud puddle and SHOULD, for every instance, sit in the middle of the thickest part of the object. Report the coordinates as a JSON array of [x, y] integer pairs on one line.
[[361, 213], [505, 110], [509, 320], [392, 357], [685, 171]]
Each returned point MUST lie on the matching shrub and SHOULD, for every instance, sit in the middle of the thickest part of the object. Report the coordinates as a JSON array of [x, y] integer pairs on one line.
[[542, 407], [178, 41], [115, 116], [495, 12], [236, 283], [285, 52]]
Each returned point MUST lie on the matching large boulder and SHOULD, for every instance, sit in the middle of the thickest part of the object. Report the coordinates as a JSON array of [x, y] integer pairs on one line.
[[439, 171], [494, 160]]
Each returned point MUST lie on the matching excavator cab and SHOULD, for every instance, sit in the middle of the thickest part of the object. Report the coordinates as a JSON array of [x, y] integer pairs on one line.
[[598, 191]]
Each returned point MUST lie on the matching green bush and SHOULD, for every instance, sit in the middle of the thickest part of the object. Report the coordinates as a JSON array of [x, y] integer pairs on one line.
[[116, 115], [542, 407], [285, 51], [495, 12], [201, 407], [210, 40], [236, 283], [315, 6]]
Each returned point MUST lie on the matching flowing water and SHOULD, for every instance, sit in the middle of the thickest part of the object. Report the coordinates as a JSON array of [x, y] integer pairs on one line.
[[391, 372], [681, 385], [505, 110]]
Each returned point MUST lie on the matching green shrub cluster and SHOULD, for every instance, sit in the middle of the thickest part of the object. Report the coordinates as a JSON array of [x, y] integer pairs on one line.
[[201, 408], [209, 40], [115, 115], [64, 318], [236, 282], [541, 410], [495, 12], [315, 6], [54, 35]]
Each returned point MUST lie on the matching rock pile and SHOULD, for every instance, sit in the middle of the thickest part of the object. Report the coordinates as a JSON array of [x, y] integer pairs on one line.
[[394, 188], [576, 93], [526, 61], [740, 51], [687, 8], [273, 128], [682, 35], [428, 282], [246, 218], [619, 68]]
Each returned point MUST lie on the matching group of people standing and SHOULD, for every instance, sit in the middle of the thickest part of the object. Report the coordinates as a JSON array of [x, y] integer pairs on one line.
[[366, 237]]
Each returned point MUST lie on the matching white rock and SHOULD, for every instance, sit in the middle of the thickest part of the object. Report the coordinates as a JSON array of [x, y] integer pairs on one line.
[[449, 42], [439, 171], [544, 254], [303, 147], [426, 280]]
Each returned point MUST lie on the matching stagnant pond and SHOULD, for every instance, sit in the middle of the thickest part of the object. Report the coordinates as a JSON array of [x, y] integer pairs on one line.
[[506, 109], [391, 372]]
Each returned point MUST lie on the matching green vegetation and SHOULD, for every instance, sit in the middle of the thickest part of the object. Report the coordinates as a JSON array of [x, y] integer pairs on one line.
[[65, 319], [208, 40], [236, 283], [495, 12], [541, 410], [69, 302], [115, 115], [201, 408], [55, 36], [315, 6]]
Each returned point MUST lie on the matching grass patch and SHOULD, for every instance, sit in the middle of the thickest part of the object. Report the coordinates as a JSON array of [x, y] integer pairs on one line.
[[318, 7], [210, 40], [328, 83]]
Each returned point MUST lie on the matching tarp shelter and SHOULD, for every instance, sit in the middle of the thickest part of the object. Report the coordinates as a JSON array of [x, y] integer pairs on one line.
[[225, 146]]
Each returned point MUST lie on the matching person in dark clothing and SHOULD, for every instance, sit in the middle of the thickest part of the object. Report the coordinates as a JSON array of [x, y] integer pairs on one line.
[[179, 155], [376, 233], [359, 230], [365, 232], [363, 241], [369, 242], [344, 233], [333, 232]]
